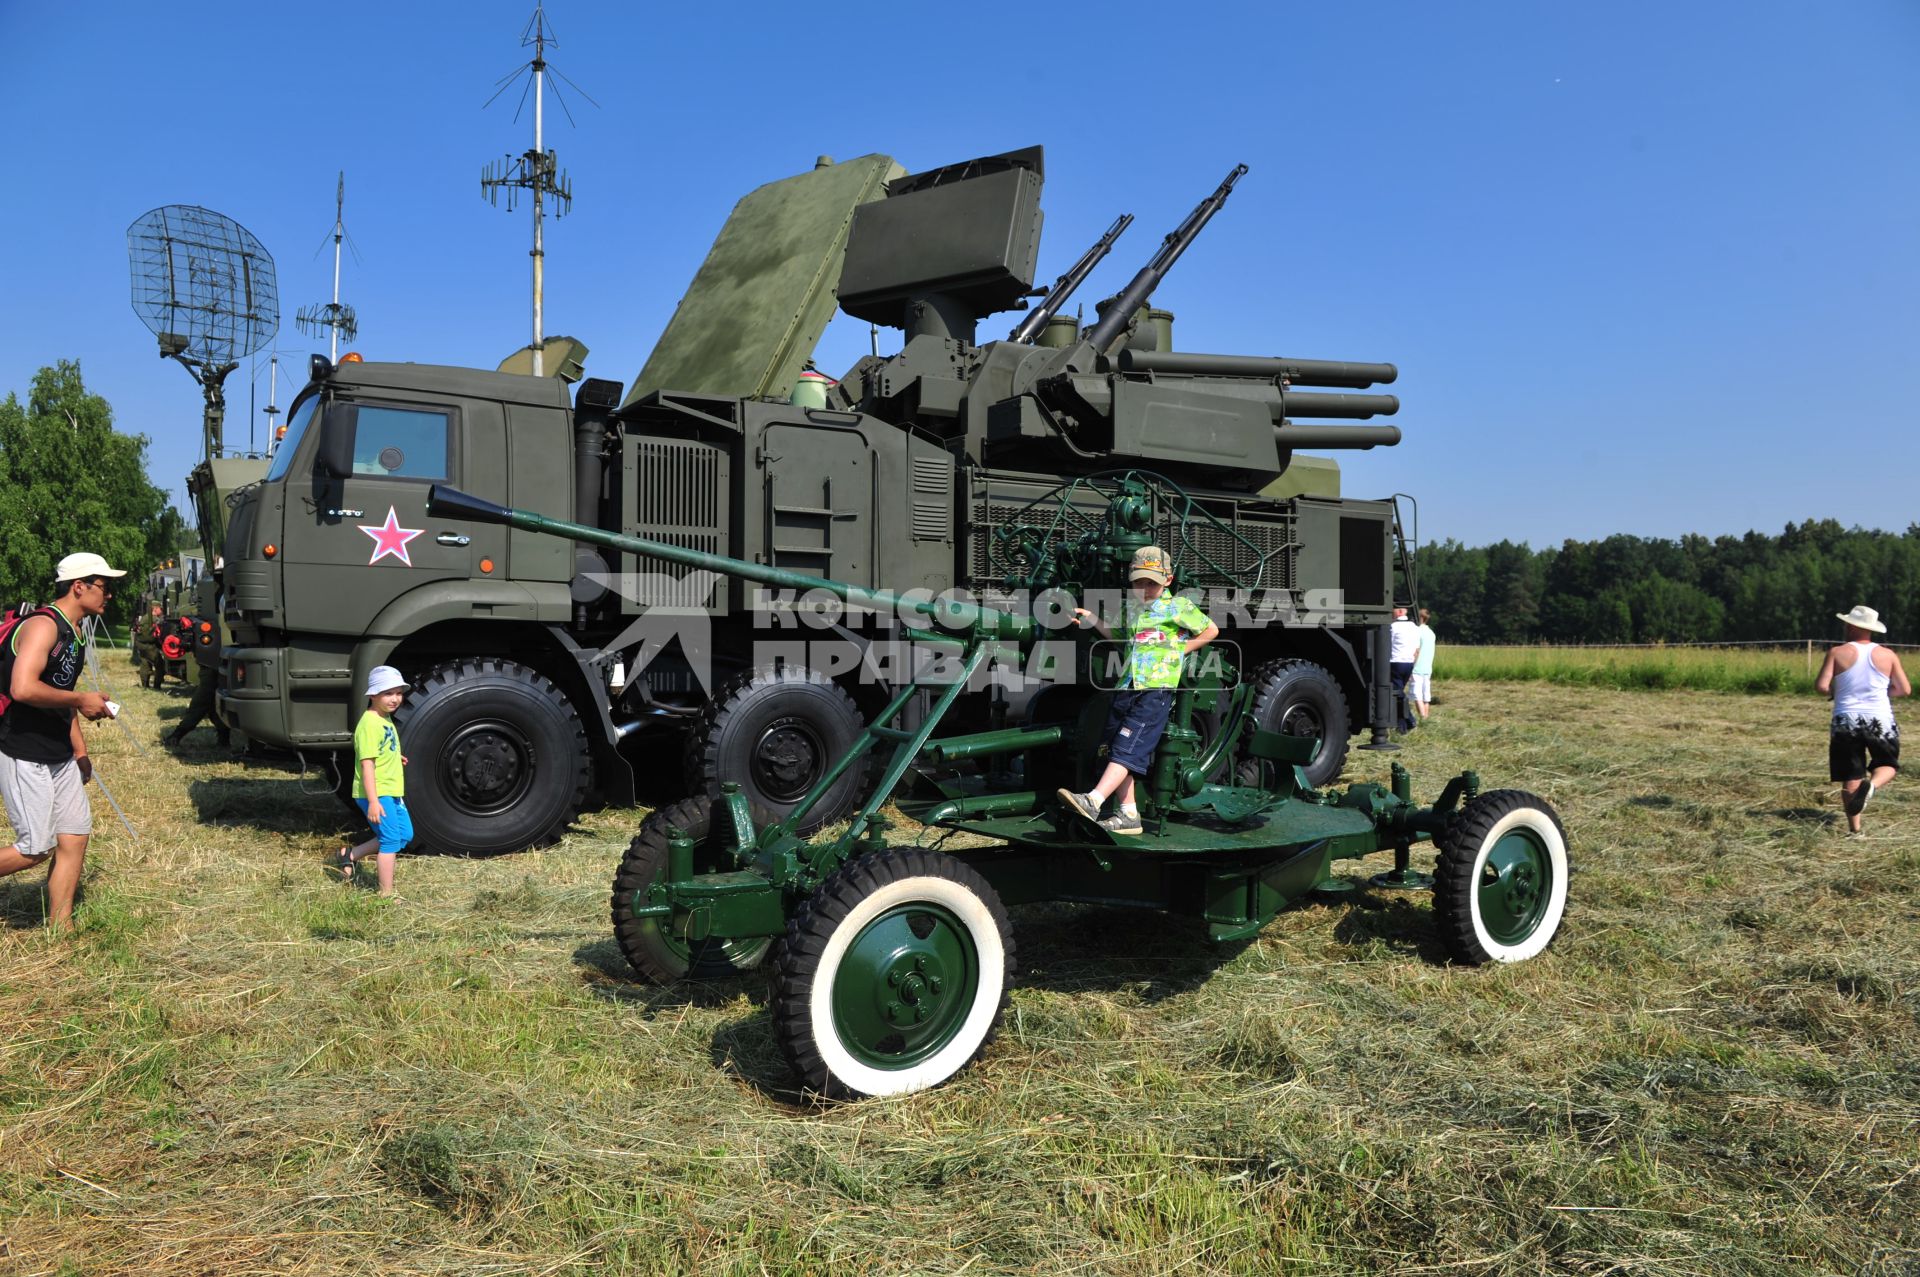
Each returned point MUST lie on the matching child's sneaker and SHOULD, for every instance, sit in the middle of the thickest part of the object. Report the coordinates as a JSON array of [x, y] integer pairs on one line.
[[1124, 824], [1082, 803]]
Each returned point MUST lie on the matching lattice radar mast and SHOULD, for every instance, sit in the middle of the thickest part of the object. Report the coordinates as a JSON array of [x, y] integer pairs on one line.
[[536, 170], [335, 317]]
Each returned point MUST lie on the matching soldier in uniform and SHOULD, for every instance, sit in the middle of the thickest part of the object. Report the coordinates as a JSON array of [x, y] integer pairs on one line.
[[202, 707], [147, 656]]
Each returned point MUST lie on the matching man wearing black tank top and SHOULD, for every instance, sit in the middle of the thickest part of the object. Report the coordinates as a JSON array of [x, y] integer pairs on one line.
[[43, 757]]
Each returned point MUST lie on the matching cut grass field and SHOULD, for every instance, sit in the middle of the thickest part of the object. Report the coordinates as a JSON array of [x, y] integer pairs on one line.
[[238, 1066], [1754, 670]]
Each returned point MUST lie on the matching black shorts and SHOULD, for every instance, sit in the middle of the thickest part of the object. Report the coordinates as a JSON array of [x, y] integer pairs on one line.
[[1858, 739], [1135, 724]]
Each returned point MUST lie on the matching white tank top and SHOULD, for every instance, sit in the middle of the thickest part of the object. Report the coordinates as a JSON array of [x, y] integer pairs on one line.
[[1860, 690]]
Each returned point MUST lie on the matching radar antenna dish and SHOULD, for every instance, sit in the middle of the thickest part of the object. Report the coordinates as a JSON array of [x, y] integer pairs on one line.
[[206, 288]]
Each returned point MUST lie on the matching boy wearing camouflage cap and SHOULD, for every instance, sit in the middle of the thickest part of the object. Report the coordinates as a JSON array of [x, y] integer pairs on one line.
[[1155, 620]]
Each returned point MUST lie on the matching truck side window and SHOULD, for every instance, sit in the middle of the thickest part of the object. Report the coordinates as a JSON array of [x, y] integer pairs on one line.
[[401, 443]]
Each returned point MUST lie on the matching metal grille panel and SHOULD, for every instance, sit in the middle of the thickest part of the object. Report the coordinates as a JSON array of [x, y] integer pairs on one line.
[[932, 513], [679, 502]]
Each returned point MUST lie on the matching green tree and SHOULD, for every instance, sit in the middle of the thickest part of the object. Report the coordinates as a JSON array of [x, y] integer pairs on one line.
[[68, 482]]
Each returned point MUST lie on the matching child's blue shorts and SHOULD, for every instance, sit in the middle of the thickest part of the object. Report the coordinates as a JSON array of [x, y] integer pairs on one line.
[[395, 829], [1134, 726]]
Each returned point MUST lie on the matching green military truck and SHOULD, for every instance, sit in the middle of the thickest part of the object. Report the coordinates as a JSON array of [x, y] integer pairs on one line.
[[954, 464]]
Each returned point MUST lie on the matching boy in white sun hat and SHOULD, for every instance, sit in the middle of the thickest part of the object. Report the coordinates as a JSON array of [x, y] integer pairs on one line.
[[379, 781], [1863, 750]]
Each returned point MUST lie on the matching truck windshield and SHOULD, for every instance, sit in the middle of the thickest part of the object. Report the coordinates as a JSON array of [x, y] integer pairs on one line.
[[298, 418]]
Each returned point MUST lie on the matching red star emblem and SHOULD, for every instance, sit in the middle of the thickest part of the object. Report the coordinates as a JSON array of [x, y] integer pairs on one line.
[[390, 538]]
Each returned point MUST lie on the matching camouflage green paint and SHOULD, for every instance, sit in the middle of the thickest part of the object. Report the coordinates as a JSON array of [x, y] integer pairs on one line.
[[748, 323]]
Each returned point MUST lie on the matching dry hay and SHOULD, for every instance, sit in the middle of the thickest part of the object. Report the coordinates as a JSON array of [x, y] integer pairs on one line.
[[240, 1067]]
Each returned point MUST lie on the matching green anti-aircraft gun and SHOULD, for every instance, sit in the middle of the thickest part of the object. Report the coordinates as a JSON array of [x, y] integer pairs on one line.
[[893, 959]]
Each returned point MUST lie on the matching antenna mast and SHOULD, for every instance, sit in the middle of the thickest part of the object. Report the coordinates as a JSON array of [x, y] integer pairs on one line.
[[536, 170], [338, 320]]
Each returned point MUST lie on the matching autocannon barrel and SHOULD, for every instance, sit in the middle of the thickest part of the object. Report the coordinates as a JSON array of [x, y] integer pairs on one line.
[[451, 503], [1131, 298], [1313, 435], [1303, 372], [1313, 403]]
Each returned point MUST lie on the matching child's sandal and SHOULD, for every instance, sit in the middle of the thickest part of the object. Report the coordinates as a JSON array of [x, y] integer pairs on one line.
[[343, 864]]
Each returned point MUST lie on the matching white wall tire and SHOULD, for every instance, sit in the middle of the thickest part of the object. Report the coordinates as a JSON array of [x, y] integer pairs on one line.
[[1500, 887], [893, 976]]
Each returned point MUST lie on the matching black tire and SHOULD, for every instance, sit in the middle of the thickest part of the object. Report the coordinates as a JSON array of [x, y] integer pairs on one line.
[[658, 957], [893, 976], [1300, 698], [1500, 887], [503, 762], [777, 732]]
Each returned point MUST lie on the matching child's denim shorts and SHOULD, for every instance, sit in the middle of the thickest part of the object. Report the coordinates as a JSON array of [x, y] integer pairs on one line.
[[395, 829], [1134, 725]]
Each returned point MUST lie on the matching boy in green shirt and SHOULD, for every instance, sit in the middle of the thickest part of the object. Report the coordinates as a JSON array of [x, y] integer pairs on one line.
[[1156, 650], [379, 783]]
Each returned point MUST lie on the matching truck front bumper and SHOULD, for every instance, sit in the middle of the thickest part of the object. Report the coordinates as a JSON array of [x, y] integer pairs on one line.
[[270, 697]]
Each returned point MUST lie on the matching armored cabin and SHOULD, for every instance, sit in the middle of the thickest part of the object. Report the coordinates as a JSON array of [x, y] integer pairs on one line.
[[949, 464]]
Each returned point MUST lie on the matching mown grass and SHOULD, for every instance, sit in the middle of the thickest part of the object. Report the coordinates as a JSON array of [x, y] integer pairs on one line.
[[1751, 670], [237, 1066]]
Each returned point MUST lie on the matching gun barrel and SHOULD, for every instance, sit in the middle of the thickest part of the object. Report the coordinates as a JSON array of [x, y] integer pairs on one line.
[[1304, 372], [1063, 288], [451, 503], [1314, 403], [1314, 435], [1135, 294]]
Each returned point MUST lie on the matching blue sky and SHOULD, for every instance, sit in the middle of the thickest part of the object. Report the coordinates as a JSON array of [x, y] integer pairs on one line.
[[1648, 268]]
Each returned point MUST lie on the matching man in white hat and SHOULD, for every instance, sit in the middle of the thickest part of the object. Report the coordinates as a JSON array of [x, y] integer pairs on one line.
[[1863, 752], [43, 757]]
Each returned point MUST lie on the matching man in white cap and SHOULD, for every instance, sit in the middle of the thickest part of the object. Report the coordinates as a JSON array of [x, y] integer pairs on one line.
[[43, 757], [1863, 751]]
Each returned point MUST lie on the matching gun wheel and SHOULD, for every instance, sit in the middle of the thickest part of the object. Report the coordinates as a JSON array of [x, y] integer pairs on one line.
[[893, 976], [1500, 887], [653, 951]]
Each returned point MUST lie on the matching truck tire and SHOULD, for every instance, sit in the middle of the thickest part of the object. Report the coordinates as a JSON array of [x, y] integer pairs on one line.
[[503, 761], [1300, 698], [777, 732], [658, 956]]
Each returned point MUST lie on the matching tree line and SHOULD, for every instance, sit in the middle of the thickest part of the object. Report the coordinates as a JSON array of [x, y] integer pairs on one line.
[[1628, 589], [69, 481]]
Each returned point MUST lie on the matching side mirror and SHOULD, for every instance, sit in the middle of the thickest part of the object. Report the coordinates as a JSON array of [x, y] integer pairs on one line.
[[335, 458]]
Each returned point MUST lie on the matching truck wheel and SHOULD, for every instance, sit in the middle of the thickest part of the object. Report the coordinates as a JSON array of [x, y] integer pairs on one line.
[[777, 732], [1500, 888], [893, 976], [659, 957], [502, 758], [1299, 698]]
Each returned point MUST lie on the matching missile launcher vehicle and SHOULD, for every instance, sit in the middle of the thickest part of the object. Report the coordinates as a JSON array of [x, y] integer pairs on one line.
[[540, 668]]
